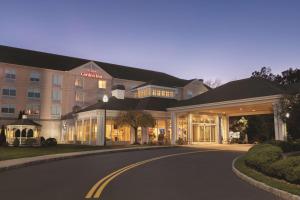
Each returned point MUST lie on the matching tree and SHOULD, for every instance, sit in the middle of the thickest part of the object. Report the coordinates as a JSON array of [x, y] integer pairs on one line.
[[213, 83], [239, 125], [290, 113], [136, 119], [2, 136]]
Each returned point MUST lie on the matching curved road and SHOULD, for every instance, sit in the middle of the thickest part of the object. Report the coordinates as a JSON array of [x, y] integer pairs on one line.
[[203, 175]]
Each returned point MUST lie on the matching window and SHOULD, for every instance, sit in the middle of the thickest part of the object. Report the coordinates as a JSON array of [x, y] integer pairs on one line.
[[35, 77], [57, 79], [34, 93], [56, 95], [79, 82], [102, 84], [56, 109], [79, 96], [9, 92], [189, 94], [10, 74], [8, 109], [33, 109]]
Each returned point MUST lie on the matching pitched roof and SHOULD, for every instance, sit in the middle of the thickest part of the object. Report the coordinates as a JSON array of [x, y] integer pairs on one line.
[[234, 90], [65, 63], [165, 82], [149, 103]]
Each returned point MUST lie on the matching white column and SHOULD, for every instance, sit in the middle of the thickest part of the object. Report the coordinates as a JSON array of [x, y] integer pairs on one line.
[[279, 125], [132, 139], [90, 132], [190, 128], [219, 129], [100, 130], [174, 128], [225, 128]]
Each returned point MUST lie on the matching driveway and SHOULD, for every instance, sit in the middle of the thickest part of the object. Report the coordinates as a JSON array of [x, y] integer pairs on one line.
[[175, 173]]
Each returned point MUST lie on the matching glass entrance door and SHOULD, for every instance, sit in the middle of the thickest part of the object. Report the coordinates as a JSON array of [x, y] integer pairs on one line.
[[203, 133]]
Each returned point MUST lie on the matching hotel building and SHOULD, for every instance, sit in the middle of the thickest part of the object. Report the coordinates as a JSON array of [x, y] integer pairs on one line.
[[63, 95]]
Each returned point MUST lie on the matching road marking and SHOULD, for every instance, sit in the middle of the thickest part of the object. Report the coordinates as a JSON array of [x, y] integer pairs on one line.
[[97, 189]]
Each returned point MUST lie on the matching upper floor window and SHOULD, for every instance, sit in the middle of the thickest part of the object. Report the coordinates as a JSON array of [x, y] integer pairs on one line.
[[57, 79], [189, 94], [79, 96], [56, 95], [10, 74], [79, 82], [35, 77], [8, 109], [34, 93], [9, 92], [102, 84], [56, 109], [33, 109]]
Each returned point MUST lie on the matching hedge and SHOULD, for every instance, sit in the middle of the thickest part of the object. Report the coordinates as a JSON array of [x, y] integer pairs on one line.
[[288, 169], [287, 146], [260, 157]]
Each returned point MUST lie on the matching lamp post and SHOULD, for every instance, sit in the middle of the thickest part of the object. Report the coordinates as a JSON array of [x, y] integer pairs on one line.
[[105, 100]]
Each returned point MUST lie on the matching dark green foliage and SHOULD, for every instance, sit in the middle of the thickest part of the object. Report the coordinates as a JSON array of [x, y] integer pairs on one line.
[[2, 137], [260, 157], [30, 142], [16, 142], [260, 128], [288, 169], [287, 146], [50, 142]]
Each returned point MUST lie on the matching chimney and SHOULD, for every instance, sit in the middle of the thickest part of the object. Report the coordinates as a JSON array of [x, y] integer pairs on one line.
[[118, 91]]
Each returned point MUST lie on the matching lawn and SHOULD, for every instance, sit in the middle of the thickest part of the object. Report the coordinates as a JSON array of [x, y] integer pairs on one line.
[[7, 153], [279, 184]]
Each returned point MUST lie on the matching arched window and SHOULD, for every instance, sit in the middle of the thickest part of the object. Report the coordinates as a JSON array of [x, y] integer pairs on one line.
[[30, 133], [17, 133], [24, 132]]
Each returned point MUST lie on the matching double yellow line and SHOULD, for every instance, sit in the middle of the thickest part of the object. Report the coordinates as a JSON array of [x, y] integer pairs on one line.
[[98, 188]]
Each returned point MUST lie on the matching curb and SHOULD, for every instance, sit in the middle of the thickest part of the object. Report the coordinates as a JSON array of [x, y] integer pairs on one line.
[[277, 192], [23, 162]]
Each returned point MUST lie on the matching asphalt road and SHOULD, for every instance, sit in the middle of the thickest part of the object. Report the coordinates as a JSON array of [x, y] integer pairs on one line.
[[205, 175]]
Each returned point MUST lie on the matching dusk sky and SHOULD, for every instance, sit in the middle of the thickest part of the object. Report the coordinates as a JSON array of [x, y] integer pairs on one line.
[[190, 39]]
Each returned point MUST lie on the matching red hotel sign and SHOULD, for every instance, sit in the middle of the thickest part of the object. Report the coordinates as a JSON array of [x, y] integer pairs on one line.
[[91, 74]]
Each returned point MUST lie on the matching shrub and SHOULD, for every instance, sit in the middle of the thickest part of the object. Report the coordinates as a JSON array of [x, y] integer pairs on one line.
[[30, 141], [287, 146], [260, 157], [16, 142], [51, 142], [288, 169], [180, 141]]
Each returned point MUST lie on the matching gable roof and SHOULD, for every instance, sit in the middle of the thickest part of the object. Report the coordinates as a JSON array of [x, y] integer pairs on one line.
[[65, 63], [149, 103], [234, 90], [28, 122], [165, 83]]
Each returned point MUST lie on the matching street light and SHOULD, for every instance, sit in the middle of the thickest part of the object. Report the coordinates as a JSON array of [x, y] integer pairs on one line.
[[287, 115], [105, 100]]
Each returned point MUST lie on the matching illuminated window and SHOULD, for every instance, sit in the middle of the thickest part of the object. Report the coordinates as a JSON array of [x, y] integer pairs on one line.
[[102, 84], [79, 97], [158, 93], [163, 93], [10, 74], [79, 82], [33, 109]]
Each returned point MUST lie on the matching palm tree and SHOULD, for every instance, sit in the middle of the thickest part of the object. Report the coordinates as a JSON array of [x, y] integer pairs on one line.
[[136, 119]]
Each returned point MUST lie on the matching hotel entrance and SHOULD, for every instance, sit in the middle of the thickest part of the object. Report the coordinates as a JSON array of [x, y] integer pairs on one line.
[[204, 128]]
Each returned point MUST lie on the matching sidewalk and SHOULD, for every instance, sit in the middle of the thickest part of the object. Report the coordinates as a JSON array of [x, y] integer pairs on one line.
[[21, 162], [226, 147]]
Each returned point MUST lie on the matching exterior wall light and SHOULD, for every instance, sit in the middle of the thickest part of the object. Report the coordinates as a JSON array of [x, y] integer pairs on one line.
[[287, 115]]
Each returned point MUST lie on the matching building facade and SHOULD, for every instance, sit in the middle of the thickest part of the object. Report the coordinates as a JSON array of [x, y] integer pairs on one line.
[[63, 95]]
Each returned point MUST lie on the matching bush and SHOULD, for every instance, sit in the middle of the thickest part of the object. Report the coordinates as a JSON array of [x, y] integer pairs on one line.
[[51, 142], [287, 146], [288, 169], [30, 141], [16, 142], [161, 139], [180, 141], [260, 157]]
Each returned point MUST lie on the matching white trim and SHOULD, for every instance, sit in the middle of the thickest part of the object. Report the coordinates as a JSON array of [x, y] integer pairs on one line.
[[270, 99]]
